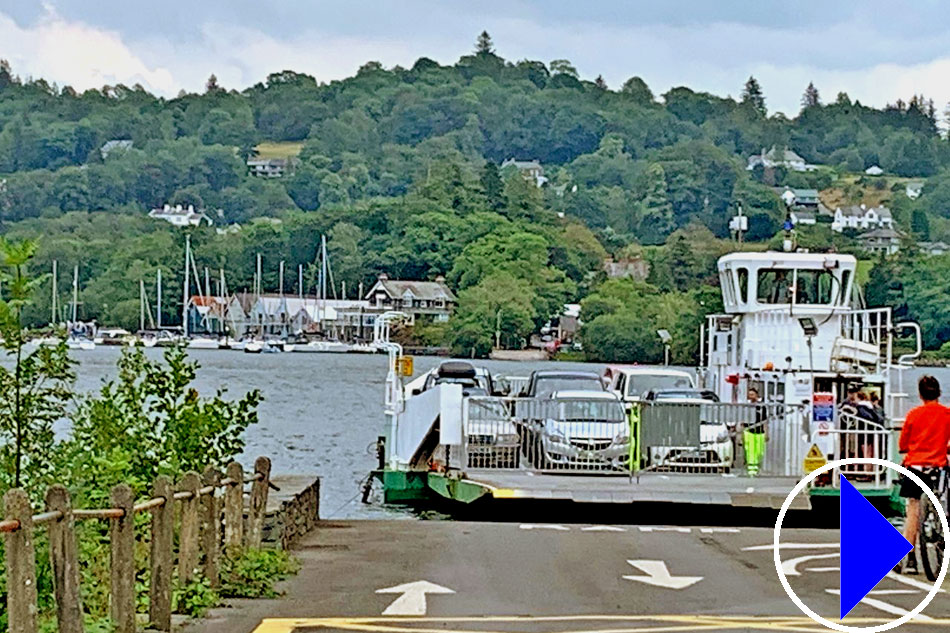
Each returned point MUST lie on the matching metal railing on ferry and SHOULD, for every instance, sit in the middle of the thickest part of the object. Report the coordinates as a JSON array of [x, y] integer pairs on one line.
[[858, 437], [595, 435]]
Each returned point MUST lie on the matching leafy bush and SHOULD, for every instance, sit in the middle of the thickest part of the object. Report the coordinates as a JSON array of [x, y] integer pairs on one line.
[[194, 598], [253, 572]]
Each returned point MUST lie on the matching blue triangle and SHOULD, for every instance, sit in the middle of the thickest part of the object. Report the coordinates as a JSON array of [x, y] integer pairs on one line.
[[870, 547]]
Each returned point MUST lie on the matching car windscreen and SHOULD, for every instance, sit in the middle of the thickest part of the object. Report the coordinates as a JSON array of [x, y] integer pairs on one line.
[[570, 410], [546, 385], [639, 385]]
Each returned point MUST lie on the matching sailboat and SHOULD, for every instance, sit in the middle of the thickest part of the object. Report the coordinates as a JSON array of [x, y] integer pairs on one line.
[[80, 337], [324, 346]]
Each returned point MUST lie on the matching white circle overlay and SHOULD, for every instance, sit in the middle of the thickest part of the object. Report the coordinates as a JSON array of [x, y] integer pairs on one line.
[[800, 487]]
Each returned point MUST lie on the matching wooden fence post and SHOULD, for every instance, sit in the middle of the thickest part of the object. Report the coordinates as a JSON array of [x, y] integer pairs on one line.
[[21, 564], [122, 540], [234, 510], [258, 506], [188, 537], [211, 525], [162, 556], [64, 562]]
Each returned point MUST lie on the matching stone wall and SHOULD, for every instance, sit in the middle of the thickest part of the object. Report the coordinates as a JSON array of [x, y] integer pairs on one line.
[[292, 511]]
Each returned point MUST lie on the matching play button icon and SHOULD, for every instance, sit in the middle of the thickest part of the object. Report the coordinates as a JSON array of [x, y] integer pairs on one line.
[[870, 547]]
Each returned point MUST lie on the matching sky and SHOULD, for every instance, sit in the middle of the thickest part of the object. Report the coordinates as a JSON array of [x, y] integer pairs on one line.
[[877, 51]]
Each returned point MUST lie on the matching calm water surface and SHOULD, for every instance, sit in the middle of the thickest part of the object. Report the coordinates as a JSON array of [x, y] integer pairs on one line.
[[321, 413]]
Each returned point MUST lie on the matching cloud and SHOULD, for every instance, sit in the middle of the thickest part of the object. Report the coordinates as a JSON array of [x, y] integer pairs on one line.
[[75, 54]]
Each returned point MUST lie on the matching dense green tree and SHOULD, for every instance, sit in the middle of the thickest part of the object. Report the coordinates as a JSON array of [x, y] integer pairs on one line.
[[810, 98], [752, 96]]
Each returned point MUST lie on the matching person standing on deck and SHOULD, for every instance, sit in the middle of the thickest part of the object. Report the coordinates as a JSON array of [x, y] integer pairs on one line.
[[924, 443], [754, 436]]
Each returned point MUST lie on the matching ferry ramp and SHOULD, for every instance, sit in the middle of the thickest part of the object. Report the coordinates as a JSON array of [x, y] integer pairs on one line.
[[462, 577], [646, 487]]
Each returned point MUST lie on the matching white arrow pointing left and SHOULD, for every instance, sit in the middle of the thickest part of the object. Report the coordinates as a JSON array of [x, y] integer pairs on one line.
[[658, 575], [413, 598]]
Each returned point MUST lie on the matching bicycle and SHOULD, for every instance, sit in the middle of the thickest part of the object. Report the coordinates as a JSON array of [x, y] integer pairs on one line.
[[931, 541]]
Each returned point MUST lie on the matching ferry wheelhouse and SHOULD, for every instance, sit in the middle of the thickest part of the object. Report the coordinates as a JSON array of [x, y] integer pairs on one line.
[[795, 331]]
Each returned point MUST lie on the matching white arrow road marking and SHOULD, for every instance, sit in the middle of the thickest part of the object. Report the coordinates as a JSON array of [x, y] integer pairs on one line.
[[413, 598], [602, 528], [544, 526], [911, 582], [820, 570], [719, 530], [681, 530], [658, 575], [886, 607], [790, 566], [770, 547]]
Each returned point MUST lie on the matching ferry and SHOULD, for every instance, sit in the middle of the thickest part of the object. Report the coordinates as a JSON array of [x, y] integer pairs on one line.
[[794, 331]]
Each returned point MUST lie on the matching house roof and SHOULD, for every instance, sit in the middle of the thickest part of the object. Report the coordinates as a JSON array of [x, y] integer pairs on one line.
[[423, 290], [861, 210], [267, 162], [522, 164], [884, 233], [787, 156]]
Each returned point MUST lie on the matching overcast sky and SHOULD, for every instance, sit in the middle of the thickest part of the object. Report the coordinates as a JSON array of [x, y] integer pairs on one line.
[[875, 50]]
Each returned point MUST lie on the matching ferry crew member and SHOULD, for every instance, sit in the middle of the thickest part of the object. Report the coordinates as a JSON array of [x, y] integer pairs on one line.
[[924, 443], [754, 436]]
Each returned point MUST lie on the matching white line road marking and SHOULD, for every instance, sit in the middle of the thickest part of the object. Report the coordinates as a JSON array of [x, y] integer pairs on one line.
[[602, 528], [719, 530], [770, 547], [820, 570], [680, 530], [886, 607], [892, 592], [912, 582], [544, 526], [412, 600], [658, 575], [790, 566]]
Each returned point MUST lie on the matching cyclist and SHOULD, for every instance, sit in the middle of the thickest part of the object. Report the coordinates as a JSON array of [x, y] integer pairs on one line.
[[924, 442]]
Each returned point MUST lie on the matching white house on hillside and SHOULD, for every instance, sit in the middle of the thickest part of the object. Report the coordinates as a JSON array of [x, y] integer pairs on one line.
[[779, 158], [180, 216], [862, 218]]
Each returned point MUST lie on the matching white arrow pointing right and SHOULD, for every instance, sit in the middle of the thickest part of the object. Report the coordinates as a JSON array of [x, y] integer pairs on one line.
[[658, 575], [413, 598]]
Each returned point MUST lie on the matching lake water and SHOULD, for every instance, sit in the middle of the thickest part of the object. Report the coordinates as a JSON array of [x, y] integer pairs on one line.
[[321, 413]]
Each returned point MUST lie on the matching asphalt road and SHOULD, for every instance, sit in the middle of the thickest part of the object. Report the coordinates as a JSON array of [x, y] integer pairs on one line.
[[510, 577]]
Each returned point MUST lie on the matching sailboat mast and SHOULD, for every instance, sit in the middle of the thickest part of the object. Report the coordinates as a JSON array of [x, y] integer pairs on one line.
[[300, 280], [185, 286], [280, 284], [221, 289], [141, 305], [323, 267], [75, 292], [158, 300], [207, 283], [54, 320], [260, 283]]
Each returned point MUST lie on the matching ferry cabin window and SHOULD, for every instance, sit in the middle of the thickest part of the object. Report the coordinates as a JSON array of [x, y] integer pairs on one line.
[[812, 287], [742, 275]]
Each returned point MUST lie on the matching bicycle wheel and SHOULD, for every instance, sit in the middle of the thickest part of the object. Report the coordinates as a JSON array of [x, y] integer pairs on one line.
[[931, 541]]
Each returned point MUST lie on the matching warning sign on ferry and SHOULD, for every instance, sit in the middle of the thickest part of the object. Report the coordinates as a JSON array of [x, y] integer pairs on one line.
[[814, 460]]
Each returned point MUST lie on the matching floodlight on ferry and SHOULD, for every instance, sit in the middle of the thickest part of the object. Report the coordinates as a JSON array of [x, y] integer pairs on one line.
[[809, 327]]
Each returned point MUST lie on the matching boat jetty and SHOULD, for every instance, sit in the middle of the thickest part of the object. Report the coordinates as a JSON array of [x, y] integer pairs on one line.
[[768, 403]]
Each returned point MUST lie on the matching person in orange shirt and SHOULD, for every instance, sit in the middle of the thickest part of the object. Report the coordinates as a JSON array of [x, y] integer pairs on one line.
[[924, 443]]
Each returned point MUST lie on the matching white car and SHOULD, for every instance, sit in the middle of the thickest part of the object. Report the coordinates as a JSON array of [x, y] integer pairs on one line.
[[715, 450], [633, 383], [579, 429]]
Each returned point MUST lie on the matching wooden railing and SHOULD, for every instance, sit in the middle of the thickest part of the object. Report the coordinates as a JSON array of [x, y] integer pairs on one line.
[[200, 519]]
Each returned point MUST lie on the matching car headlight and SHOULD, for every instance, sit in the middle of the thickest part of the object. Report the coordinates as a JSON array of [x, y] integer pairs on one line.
[[506, 438], [722, 437], [557, 438], [621, 438]]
